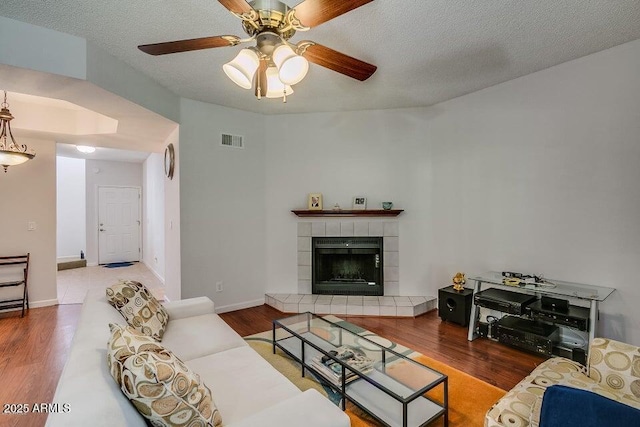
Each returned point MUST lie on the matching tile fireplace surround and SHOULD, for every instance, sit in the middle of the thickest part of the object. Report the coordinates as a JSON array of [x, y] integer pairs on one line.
[[388, 305]]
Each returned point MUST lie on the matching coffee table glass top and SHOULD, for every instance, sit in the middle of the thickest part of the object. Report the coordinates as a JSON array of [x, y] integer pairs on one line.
[[383, 387]]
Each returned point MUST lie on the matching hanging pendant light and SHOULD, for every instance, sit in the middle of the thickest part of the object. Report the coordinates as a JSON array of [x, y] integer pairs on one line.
[[11, 153]]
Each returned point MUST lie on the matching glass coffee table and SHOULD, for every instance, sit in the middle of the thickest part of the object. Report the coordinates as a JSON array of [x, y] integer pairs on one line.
[[389, 386]]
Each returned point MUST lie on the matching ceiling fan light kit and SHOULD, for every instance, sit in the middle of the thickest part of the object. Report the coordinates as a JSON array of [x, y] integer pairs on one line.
[[292, 68], [275, 64], [275, 87], [242, 68]]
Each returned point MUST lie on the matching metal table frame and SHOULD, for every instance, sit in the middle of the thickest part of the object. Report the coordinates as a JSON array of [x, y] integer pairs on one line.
[[306, 345]]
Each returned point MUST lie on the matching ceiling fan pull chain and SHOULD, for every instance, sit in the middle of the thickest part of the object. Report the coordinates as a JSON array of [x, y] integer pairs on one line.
[[258, 88], [284, 96]]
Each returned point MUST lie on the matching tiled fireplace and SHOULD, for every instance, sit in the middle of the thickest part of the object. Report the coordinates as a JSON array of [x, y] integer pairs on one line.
[[346, 266], [388, 230], [389, 304]]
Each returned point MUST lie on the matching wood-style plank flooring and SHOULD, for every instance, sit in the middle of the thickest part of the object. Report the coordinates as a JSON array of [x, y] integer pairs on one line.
[[33, 350], [487, 360]]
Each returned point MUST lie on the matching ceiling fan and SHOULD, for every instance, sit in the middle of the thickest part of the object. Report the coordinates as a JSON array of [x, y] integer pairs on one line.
[[275, 64]]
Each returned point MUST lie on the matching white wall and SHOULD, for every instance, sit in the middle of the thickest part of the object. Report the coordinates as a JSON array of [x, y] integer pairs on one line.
[[172, 282], [153, 214], [28, 193], [101, 172], [222, 198], [42, 49], [71, 207], [117, 77], [381, 155], [541, 174], [537, 175]]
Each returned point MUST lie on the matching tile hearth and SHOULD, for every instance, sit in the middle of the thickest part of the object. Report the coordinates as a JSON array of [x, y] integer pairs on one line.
[[395, 306]]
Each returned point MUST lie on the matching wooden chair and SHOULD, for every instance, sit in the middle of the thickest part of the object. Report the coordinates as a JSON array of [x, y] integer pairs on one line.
[[16, 261]]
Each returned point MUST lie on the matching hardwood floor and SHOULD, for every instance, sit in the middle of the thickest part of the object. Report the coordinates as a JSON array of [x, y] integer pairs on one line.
[[487, 360], [33, 350]]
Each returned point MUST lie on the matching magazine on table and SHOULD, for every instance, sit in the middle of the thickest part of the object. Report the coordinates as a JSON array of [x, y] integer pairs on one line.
[[332, 370]]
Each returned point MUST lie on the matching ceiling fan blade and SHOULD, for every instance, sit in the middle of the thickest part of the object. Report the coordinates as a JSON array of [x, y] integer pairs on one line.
[[312, 13], [239, 7], [190, 44], [336, 61]]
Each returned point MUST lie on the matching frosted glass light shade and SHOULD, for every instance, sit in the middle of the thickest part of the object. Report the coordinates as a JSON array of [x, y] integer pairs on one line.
[[291, 67], [242, 68], [12, 158], [275, 88]]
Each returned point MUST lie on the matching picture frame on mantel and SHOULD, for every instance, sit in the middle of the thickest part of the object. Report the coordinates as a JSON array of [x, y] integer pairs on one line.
[[314, 202], [359, 203]]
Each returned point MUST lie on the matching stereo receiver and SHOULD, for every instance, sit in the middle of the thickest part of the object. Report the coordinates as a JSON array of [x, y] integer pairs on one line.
[[527, 334], [505, 301], [575, 316]]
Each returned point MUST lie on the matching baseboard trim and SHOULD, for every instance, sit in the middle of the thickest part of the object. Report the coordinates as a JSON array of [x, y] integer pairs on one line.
[[239, 306], [155, 273], [43, 303], [68, 258]]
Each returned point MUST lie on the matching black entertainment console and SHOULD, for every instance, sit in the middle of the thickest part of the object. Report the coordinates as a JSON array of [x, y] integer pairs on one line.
[[532, 322], [538, 314]]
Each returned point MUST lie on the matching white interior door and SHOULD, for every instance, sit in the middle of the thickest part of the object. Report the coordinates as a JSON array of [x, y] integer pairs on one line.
[[118, 224]]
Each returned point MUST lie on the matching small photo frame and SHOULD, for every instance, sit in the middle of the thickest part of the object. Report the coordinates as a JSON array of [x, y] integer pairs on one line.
[[359, 203], [315, 202]]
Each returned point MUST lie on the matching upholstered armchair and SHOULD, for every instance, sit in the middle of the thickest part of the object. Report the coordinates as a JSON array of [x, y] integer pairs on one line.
[[612, 371]]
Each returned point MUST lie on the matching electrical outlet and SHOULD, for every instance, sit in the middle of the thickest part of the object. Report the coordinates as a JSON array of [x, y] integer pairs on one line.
[[219, 287], [31, 225]]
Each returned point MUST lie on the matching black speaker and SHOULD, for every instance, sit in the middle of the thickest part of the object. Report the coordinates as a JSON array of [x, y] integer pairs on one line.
[[455, 306]]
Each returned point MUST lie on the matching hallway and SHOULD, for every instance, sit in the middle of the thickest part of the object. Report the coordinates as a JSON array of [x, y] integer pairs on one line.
[[73, 284]]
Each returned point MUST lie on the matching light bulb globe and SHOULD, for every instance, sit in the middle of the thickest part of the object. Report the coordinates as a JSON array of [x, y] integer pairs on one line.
[[292, 68], [242, 68]]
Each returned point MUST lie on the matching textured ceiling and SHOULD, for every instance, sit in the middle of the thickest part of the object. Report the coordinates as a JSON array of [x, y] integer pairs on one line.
[[427, 51]]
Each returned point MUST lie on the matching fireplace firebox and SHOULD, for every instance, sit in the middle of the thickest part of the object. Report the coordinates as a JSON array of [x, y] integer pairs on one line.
[[347, 266]]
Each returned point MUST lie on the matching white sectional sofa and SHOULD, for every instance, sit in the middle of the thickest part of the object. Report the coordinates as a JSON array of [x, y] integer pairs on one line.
[[247, 390]]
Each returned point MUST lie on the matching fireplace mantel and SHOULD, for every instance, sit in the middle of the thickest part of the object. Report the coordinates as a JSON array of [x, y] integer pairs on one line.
[[347, 212]]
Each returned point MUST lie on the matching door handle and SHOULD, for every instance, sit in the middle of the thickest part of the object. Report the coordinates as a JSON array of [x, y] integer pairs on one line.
[[102, 229]]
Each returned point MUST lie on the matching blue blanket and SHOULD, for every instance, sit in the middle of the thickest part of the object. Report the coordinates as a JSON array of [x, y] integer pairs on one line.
[[571, 407]]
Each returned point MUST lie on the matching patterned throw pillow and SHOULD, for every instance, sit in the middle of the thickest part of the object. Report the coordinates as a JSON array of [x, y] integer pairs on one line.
[[166, 392], [124, 342], [140, 309]]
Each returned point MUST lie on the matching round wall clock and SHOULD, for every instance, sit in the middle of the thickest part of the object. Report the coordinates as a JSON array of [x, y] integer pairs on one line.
[[169, 161]]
